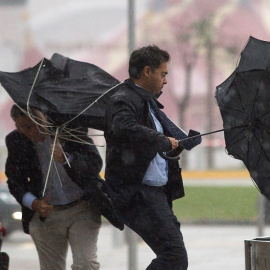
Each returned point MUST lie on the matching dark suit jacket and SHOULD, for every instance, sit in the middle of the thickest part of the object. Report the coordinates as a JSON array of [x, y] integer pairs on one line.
[[132, 141], [24, 172]]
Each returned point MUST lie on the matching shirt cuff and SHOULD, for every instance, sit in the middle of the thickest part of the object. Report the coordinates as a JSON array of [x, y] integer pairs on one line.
[[28, 199]]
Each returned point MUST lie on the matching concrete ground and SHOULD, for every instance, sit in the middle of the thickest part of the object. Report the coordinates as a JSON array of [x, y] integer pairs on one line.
[[209, 247]]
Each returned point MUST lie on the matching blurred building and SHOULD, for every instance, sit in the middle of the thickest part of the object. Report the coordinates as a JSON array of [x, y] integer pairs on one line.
[[204, 38]]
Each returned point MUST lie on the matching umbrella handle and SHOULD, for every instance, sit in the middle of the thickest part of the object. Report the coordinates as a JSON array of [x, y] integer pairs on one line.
[[188, 138], [169, 158], [215, 131], [196, 136]]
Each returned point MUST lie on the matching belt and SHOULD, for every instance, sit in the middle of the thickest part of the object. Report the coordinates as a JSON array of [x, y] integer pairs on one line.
[[66, 206], [155, 187]]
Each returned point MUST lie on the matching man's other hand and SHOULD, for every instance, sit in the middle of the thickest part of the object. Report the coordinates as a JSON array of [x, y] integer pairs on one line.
[[42, 207]]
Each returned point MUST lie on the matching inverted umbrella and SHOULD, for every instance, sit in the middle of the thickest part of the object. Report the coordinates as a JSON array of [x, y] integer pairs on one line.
[[65, 89], [243, 100], [73, 94]]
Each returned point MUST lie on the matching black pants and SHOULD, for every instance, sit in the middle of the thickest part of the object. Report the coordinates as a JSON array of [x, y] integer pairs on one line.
[[146, 211]]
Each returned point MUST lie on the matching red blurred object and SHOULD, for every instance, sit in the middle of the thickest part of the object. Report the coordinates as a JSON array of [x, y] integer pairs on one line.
[[4, 231], [4, 258]]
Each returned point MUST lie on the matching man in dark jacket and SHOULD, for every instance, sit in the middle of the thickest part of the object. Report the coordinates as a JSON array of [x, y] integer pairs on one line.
[[58, 214], [141, 183]]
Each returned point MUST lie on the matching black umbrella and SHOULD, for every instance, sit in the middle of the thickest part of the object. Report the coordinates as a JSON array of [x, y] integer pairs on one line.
[[73, 94], [65, 89], [243, 100], [255, 55]]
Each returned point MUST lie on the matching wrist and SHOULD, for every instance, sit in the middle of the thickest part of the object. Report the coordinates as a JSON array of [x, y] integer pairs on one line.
[[36, 205]]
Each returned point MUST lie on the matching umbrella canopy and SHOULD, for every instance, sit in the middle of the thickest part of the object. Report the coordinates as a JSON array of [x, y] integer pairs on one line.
[[64, 89], [256, 55], [243, 100]]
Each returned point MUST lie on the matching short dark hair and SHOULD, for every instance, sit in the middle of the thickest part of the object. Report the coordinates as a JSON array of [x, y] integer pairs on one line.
[[17, 111], [151, 56]]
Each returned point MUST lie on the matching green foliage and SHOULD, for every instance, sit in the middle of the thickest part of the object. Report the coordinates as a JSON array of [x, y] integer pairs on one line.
[[217, 204]]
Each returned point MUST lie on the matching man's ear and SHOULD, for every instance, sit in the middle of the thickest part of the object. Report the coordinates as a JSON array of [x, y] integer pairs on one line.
[[146, 71]]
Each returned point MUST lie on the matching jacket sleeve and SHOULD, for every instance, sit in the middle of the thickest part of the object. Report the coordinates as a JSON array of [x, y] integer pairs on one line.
[[17, 177], [125, 124]]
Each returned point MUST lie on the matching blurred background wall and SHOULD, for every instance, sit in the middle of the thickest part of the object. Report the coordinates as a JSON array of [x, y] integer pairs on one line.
[[204, 38]]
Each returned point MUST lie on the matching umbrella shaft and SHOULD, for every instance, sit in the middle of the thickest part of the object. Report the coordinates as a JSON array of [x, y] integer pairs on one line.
[[215, 131]]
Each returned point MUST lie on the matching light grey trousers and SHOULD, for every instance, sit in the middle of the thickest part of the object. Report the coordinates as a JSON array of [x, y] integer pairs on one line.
[[78, 227]]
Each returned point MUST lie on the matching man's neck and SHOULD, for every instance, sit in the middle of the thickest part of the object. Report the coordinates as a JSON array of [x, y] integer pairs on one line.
[[140, 83]]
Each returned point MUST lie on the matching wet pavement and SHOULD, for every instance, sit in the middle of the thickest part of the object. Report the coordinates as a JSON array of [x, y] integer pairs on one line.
[[209, 247]]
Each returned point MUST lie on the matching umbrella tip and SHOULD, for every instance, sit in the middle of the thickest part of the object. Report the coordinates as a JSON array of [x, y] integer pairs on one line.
[[58, 61]]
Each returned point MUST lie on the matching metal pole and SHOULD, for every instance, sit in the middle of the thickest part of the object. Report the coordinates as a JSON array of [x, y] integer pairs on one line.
[[261, 214], [132, 238], [131, 26]]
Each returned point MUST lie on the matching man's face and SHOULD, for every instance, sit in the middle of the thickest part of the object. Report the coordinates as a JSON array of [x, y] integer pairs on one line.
[[29, 129], [157, 79]]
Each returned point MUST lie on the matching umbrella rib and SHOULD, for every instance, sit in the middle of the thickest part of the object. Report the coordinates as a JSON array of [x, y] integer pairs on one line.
[[58, 175], [79, 140], [226, 112], [229, 108], [39, 68], [50, 164], [248, 148], [93, 103], [234, 142], [65, 156], [246, 83], [47, 127], [256, 95], [65, 133], [238, 93], [262, 149], [264, 115], [256, 91], [83, 135], [248, 154], [30, 93], [33, 117], [78, 130]]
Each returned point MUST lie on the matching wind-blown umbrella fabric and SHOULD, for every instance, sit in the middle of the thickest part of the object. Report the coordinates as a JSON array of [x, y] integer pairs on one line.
[[256, 55], [244, 102], [63, 88], [66, 89]]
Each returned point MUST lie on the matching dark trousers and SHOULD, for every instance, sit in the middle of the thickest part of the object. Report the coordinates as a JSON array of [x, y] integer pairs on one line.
[[147, 212]]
